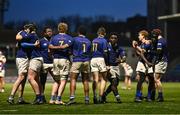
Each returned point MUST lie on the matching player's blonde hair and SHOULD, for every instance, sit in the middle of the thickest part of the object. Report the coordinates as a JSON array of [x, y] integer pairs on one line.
[[144, 33], [62, 27]]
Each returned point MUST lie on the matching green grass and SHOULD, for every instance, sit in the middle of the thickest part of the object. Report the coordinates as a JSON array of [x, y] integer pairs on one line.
[[170, 106]]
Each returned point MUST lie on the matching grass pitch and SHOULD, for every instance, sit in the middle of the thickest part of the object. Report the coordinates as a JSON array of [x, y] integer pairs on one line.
[[171, 105]]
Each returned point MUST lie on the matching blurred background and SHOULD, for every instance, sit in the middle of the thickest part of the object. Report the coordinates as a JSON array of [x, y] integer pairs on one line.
[[126, 17]]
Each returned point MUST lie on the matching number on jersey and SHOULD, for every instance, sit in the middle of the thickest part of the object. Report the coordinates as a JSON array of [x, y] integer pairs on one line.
[[61, 43], [95, 45]]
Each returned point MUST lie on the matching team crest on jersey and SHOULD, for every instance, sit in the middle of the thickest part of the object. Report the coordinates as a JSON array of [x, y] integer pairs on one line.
[[45, 44]]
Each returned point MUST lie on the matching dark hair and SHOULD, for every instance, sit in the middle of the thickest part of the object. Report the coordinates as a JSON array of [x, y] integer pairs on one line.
[[114, 33], [26, 26], [32, 27], [82, 30], [156, 32], [45, 28]]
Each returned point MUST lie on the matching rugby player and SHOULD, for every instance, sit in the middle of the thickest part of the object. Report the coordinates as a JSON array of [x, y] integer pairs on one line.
[[81, 64]]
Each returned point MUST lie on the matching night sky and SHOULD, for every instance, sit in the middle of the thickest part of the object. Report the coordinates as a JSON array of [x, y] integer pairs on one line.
[[38, 10]]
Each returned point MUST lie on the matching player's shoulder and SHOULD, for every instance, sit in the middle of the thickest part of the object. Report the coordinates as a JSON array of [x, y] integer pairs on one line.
[[23, 33], [148, 42], [95, 40], [68, 36], [87, 39], [55, 37]]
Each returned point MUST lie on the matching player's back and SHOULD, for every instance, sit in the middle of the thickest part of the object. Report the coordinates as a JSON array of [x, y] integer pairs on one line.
[[35, 50], [99, 46], [22, 52], [162, 45], [61, 39], [81, 49]]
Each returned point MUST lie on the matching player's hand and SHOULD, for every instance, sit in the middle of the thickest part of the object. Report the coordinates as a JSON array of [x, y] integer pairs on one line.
[[108, 68], [134, 43], [37, 43], [33, 32], [150, 64], [148, 42], [118, 60], [19, 32]]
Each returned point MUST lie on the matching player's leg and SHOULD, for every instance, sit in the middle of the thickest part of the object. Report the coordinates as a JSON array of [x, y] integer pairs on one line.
[[33, 78], [139, 86], [62, 84], [43, 78], [160, 69], [109, 89], [103, 81], [85, 80], [15, 87], [140, 77], [115, 82], [2, 81], [21, 91], [56, 76], [129, 82], [159, 87], [22, 65], [151, 87], [95, 76], [64, 65], [54, 92], [1, 84], [125, 82], [103, 78], [73, 79], [75, 69], [85, 71], [95, 85]]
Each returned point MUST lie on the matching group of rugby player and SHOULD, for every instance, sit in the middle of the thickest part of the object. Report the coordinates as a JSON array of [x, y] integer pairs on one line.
[[152, 52], [63, 56]]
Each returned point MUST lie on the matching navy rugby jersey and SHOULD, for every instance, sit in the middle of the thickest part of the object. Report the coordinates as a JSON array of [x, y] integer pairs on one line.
[[148, 54], [99, 47], [81, 49], [114, 53], [162, 45], [44, 43], [35, 51], [22, 52], [61, 39]]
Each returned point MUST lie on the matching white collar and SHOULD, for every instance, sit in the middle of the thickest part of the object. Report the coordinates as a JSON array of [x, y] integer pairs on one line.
[[62, 33], [46, 38], [82, 36], [101, 36], [159, 36]]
